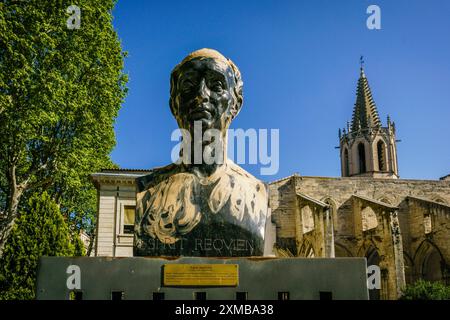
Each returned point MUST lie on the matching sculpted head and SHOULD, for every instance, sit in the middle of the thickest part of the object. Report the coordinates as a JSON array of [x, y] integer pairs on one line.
[[205, 87]]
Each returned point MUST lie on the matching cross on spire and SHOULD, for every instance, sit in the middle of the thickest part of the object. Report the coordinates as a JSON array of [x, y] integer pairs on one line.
[[361, 69]]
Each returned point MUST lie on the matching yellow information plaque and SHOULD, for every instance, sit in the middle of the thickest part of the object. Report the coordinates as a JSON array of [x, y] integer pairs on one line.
[[220, 275]]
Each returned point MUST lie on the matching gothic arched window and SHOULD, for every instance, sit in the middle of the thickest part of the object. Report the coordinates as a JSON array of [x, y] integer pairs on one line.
[[362, 158], [381, 156]]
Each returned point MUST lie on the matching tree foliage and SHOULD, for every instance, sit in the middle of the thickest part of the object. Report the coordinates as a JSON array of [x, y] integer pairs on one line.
[[60, 92], [40, 230], [426, 290]]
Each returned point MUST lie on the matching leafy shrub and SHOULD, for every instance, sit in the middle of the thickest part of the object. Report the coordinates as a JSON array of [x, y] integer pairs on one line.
[[40, 230], [426, 290]]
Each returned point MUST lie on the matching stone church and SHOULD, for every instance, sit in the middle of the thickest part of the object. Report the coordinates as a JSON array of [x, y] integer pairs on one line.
[[400, 225]]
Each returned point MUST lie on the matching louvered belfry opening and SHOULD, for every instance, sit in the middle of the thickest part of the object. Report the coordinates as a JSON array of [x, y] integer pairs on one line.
[[381, 156], [362, 158]]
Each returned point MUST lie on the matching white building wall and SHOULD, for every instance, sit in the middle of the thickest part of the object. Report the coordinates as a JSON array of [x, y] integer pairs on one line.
[[105, 223], [111, 241]]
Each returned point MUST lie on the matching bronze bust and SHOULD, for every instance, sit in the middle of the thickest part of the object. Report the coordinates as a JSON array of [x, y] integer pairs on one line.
[[202, 208]]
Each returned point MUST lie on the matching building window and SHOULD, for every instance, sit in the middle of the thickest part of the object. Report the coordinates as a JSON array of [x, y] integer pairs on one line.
[[368, 219], [362, 158], [128, 219], [381, 156], [307, 219], [427, 224]]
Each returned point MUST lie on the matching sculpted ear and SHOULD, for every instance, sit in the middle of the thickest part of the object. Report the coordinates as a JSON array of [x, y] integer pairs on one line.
[[237, 90], [238, 104]]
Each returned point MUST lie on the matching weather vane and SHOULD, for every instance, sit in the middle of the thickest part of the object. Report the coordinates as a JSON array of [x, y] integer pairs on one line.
[[361, 61]]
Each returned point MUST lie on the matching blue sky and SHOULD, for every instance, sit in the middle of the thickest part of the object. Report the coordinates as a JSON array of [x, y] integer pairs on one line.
[[300, 65]]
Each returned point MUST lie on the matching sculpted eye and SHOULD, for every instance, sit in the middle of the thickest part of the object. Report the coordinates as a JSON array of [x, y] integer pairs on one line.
[[187, 85], [217, 86]]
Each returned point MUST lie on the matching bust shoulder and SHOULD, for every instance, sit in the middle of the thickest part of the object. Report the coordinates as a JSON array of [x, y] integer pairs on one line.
[[172, 201], [156, 176]]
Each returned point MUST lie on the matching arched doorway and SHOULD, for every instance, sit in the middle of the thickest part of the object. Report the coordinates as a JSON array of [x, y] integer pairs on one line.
[[432, 266], [430, 262]]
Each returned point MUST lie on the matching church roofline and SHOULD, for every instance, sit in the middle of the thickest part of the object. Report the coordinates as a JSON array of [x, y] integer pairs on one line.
[[428, 201], [374, 178], [380, 203], [311, 199], [283, 179]]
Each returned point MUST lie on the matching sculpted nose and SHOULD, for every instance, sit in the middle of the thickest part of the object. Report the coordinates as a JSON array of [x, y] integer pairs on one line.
[[203, 92]]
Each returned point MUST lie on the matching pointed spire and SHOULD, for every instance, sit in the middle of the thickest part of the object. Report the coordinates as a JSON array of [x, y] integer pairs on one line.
[[365, 113]]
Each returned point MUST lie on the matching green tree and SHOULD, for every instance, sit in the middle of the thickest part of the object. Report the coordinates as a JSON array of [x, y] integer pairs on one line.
[[60, 92], [40, 230], [426, 290]]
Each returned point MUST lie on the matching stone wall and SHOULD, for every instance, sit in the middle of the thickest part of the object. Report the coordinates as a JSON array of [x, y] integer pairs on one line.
[[405, 222]]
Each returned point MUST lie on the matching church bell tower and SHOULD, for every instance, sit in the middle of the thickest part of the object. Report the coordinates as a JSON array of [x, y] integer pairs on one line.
[[367, 149]]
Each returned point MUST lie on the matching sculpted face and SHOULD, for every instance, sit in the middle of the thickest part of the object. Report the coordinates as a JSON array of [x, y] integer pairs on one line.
[[204, 89]]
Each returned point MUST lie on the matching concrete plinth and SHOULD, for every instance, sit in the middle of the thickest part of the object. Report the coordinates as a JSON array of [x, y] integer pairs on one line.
[[258, 278]]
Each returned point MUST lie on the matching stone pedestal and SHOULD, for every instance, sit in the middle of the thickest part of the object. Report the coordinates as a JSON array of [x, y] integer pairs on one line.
[[140, 278]]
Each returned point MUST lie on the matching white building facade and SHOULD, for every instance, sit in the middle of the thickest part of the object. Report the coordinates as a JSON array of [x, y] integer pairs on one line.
[[116, 209]]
